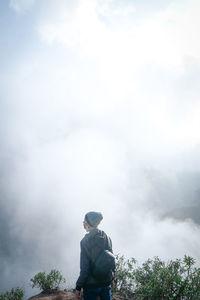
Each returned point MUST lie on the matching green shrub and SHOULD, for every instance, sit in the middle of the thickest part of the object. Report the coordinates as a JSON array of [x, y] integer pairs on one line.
[[48, 282], [124, 276], [177, 279], [157, 280], [14, 294]]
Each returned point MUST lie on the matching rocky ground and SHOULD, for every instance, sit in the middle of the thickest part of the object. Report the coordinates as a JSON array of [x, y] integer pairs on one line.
[[59, 295], [63, 295]]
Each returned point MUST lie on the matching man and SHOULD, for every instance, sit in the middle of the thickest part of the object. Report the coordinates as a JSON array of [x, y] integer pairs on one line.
[[93, 243]]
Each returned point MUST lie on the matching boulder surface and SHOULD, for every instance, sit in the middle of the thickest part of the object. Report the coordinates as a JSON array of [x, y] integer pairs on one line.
[[64, 295], [59, 295]]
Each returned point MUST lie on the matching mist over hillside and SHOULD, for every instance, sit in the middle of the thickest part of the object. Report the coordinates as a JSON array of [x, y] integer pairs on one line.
[[99, 111]]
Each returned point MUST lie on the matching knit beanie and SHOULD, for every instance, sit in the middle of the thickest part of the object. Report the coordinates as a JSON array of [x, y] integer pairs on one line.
[[93, 218]]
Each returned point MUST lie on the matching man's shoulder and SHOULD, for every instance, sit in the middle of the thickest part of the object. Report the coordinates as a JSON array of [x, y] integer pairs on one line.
[[85, 238], [94, 234]]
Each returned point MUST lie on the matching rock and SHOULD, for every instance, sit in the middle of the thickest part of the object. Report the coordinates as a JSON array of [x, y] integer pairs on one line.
[[117, 297], [65, 295], [59, 295]]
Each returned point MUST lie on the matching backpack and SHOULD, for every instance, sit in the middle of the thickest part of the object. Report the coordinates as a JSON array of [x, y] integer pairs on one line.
[[103, 265]]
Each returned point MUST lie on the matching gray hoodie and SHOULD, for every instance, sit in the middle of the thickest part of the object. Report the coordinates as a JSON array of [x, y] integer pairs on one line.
[[91, 246]]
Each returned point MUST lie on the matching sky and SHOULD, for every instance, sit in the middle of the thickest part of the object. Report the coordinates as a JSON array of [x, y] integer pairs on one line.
[[99, 103]]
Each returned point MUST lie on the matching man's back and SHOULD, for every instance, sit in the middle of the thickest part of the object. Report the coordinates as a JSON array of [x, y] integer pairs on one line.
[[92, 246]]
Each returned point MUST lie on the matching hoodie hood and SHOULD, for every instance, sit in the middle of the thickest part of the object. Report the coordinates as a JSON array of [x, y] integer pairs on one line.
[[98, 238]]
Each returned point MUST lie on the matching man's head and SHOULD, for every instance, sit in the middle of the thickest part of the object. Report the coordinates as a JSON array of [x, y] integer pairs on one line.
[[93, 218]]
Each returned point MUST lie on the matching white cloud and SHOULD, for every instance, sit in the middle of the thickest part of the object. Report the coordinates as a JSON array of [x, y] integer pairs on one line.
[[21, 6], [124, 60], [164, 38], [121, 52], [109, 8]]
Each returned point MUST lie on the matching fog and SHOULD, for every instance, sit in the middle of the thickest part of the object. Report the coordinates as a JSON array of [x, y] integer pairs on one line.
[[99, 111]]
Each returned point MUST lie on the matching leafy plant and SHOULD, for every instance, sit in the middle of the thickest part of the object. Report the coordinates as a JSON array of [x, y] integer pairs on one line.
[[14, 294], [48, 282], [157, 280], [124, 276], [177, 279]]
